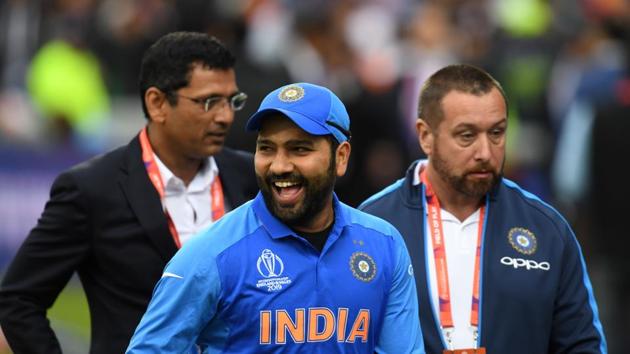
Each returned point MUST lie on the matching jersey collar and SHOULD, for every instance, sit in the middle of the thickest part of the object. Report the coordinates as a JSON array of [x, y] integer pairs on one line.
[[277, 229]]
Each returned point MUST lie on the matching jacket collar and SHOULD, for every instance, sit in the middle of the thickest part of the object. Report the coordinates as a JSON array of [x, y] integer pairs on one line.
[[145, 200], [228, 174], [411, 194]]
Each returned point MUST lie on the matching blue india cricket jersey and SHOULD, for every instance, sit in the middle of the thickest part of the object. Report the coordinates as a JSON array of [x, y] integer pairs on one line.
[[250, 284]]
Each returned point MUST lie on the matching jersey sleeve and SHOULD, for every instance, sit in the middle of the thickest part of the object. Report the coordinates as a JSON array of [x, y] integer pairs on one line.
[[184, 301], [576, 326], [401, 327]]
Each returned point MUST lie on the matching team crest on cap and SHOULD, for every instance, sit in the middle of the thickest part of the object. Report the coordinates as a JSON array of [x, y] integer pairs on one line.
[[362, 266], [291, 93], [522, 240]]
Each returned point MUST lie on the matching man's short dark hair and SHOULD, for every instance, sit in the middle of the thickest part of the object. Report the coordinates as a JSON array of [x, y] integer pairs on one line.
[[463, 78], [167, 64]]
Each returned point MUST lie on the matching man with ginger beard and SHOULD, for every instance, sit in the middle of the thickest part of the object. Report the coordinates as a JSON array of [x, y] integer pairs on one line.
[[295, 269], [497, 269]]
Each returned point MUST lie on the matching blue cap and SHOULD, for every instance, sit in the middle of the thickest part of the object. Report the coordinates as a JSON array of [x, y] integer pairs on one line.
[[315, 109]]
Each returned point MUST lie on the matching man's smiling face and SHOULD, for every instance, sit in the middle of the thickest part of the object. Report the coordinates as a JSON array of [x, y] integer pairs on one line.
[[296, 172]]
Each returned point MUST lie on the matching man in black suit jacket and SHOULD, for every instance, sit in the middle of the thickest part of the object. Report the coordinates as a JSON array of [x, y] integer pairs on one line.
[[111, 223]]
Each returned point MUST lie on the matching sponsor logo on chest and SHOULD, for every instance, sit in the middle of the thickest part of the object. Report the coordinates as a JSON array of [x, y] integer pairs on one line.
[[527, 264], [524, 242]]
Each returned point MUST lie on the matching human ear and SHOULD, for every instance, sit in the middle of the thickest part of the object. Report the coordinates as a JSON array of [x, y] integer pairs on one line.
[[342, 157], [425, 136], [156, 103]]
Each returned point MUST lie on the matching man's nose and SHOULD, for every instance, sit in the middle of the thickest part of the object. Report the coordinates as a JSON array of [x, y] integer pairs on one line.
[[281, 164], [223, 113], [483, 150]]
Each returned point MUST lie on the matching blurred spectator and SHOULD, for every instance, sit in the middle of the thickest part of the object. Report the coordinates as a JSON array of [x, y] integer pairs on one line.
[[608, 197], [18, 122], [19, 38], [65, 80], [67, 86], [583, 75], [588, 61], [609, 191], [522, 55], [379, 150], [19, 35], [428, 44], [123, 29], [592, 103]]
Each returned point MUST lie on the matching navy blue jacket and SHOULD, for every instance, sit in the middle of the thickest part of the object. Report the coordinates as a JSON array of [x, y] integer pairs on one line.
[[535, 293]]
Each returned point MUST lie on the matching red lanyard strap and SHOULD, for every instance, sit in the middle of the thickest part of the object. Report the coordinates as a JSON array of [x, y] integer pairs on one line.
[[216, 190], [439, 253]]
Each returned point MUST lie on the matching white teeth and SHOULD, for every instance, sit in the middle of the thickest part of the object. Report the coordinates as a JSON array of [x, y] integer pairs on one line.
[[285, 184]]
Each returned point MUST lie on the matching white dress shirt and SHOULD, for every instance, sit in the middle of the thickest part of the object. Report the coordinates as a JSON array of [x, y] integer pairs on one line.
[[460, 242], [189, 206]]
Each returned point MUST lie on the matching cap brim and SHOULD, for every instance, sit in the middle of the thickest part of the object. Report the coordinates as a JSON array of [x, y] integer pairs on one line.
[[302, 121]]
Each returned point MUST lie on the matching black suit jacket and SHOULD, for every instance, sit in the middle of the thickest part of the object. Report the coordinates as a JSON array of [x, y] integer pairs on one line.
[[104, 220]]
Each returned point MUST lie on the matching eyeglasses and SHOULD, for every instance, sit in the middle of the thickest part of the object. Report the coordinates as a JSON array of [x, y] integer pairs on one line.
[[236, 101]]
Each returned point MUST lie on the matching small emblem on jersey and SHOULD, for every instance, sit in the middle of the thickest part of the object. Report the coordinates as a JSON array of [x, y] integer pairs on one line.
[[291, 93], [522, 240], [362, 266], [410, 270], [270, 266]]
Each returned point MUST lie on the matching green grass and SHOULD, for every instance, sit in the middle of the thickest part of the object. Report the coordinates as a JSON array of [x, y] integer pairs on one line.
[[70, 319], [71, 312]]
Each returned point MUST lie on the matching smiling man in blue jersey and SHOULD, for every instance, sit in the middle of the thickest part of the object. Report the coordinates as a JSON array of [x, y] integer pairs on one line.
[[497, 269], [294, 270]]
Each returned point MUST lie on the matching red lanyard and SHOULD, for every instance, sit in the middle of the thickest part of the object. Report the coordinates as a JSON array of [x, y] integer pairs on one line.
[[216, 191], [439, 252]]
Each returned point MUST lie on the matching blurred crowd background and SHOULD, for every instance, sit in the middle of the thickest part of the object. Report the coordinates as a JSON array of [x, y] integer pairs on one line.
[[68, 91]]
